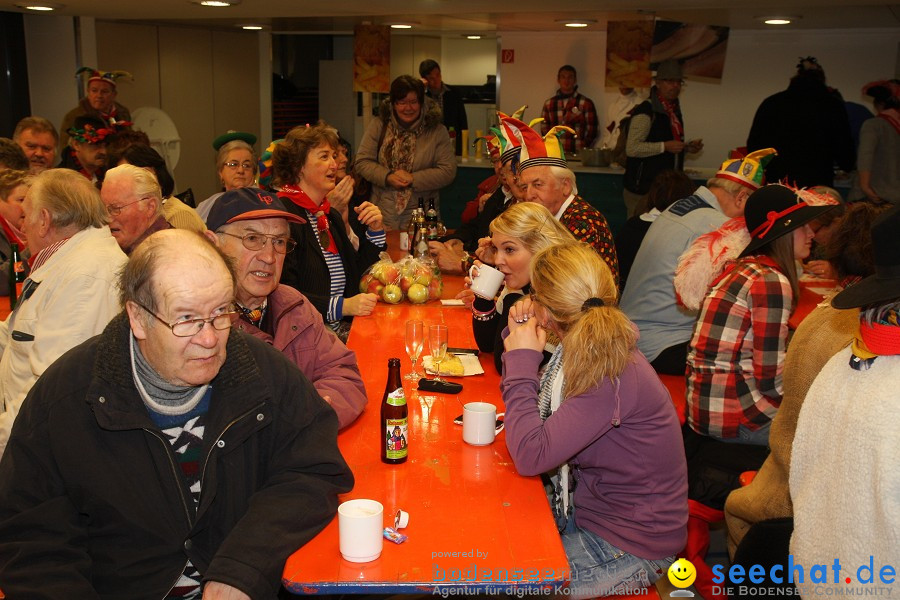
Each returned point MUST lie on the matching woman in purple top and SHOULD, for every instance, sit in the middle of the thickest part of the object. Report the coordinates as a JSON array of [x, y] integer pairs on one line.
[[598, 423]]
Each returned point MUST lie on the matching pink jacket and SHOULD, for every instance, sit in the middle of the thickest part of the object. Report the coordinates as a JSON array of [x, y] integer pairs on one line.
[[302, 336]]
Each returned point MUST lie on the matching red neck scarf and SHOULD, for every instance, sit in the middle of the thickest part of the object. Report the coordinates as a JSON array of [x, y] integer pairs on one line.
[[12, 234], [677, 127], [880, 338], [318, 211]]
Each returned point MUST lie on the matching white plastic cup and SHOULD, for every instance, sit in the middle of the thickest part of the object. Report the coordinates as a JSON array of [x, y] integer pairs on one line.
[[360, 527], [479, 423], [486, 281]]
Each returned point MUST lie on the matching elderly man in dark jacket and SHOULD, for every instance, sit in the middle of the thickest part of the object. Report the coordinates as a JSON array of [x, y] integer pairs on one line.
[[167, 453]]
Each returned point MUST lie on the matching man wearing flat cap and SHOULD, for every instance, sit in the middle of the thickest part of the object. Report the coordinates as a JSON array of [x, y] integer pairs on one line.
[[656, 136], [99, 102]]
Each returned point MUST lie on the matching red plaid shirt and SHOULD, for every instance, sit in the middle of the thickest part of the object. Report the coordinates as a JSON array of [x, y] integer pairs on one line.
[[735, 362], [575, 111]]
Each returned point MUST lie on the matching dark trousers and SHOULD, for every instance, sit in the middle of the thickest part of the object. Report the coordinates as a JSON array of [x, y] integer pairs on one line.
[[714, 467], [672, 360]]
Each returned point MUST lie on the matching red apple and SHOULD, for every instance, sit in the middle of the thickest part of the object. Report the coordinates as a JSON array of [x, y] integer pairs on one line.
[[364, 282], [389, 274], [405, 282], [435, 288], [424, 275]]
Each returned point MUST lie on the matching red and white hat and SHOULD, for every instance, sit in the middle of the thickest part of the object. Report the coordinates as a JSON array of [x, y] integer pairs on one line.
[[109, 77]]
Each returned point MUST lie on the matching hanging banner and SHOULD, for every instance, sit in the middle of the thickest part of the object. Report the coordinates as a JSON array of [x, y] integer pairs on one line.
[[628, 46], [699, 48], [371, 58]]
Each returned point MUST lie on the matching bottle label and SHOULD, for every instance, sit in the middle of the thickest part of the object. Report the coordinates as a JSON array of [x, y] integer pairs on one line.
[[397, 397], [19, 266], [395, 431]]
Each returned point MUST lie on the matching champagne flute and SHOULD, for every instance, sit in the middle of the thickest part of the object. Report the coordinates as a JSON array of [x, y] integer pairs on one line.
[[415, 340], [437, 340]]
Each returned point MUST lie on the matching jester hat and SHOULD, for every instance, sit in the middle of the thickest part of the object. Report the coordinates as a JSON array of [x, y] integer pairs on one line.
[[748, 171]]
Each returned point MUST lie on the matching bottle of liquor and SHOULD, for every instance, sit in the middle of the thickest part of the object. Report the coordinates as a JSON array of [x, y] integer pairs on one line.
[[431, 220], [421, 205], [394, 418], [411, 232], [422, 238], [16, 275]]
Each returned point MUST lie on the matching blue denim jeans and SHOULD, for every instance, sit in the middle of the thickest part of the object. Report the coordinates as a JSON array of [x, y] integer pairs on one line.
[[760, 437], [600, 569]]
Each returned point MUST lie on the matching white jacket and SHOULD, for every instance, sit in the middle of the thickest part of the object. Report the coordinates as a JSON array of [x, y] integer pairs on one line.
[[76, 296]]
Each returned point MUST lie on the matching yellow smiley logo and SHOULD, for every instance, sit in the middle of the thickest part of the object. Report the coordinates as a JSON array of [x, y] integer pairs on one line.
[[682, 573]]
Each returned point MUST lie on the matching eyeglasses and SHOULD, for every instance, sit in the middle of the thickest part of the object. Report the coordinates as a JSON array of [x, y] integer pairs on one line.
[[191, 327], [234, 164], [257, 241], [406, 103], [115, 209]]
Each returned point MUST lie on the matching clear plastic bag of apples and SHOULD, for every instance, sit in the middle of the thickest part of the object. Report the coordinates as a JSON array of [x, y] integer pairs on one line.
[[410, 278]]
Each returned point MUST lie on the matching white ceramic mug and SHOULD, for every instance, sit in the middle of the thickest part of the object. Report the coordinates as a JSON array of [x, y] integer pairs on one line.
[[361, 527], [480, 423], [486, 281]]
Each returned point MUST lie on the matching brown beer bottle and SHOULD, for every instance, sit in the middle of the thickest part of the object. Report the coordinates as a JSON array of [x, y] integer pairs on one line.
[[394, 417], [16, 275]]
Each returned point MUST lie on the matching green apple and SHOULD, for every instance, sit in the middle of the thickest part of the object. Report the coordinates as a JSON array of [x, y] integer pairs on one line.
[[417, 294], [392, 294]]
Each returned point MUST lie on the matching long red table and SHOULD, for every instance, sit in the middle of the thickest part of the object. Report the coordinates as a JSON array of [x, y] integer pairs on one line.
[[474, 521]]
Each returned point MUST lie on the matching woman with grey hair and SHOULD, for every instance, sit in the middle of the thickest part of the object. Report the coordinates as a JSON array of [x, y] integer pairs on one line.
[[236, 163]]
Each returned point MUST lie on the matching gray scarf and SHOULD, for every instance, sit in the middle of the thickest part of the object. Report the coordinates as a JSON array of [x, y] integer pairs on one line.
[[157, 393]]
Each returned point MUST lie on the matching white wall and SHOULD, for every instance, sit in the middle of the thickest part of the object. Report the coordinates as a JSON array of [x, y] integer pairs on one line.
[[758, 64], [50, 48], [467, 62]]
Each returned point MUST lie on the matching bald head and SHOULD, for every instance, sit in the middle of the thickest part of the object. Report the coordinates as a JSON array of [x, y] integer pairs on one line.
[[161, 252]]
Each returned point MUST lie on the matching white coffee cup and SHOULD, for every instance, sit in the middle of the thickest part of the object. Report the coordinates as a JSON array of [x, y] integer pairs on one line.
[[480, 423], [361, 527], [486, 281]]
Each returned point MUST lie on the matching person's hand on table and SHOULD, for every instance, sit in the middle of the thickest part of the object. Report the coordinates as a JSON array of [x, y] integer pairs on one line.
[[213, 590], [399, 179], [528, 335], [486, 251], [448, 255], [339, 197], [360, 305], [370, 216], [821, 269]]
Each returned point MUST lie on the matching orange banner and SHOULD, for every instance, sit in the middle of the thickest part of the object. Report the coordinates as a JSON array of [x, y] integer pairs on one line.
[[371, 58]]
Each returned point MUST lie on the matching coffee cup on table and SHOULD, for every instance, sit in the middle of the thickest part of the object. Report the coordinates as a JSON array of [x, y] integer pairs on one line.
[[360, 528], [486, 281], [480, 423]]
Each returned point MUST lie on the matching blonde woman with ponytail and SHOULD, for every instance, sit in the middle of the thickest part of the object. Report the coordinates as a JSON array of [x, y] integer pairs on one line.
[[597, 422]]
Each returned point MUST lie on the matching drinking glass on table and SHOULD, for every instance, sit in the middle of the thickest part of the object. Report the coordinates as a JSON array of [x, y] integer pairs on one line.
[[415, 340], [437, 341]]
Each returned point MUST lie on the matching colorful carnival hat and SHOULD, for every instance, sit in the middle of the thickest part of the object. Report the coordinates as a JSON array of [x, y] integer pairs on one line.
[[109, 77], [494, 143], [775, 210], [89, 130], [748, 171], [265, 165], [536, 150], [232, 135], [510, 139], [884, 285]]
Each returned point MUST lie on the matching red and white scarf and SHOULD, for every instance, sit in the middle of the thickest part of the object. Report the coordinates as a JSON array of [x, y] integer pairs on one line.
[[318, 211]]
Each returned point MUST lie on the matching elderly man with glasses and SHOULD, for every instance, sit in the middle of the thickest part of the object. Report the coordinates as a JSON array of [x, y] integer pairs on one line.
[[168, 456], [251, 227], [134, 200], [70, 294]]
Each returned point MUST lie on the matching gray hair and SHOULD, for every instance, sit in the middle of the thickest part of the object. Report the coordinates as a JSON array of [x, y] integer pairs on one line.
[[143, 182], [236, 145], [562, 174], [70, 198]]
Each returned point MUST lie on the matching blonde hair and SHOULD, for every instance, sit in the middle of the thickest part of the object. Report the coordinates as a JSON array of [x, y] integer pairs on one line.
[[70, 198], [10, 179], [533, 225], [597, 339]]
